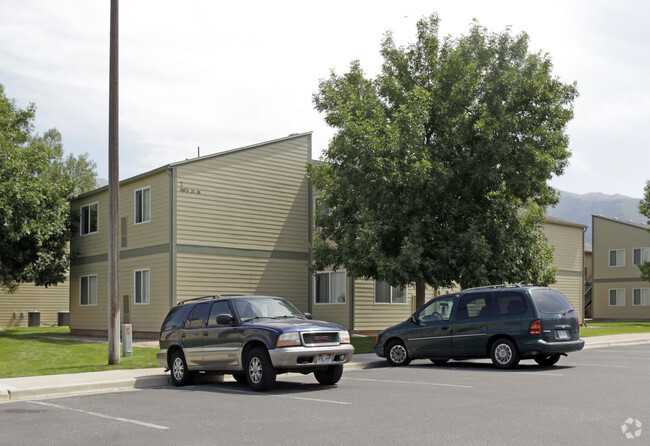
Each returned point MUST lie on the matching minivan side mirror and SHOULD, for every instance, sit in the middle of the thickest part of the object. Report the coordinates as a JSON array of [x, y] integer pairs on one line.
[[414, 320], [224, 319], [308, 315]]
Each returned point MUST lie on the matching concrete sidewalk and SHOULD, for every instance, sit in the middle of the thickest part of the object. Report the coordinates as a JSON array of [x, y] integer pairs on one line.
[[51, 386]]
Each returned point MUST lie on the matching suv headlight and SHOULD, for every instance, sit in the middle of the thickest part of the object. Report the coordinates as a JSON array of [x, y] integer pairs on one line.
[[344, 337], [288, 339]]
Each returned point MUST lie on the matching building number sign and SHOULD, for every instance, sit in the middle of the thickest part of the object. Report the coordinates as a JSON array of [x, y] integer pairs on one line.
[[188, 190]]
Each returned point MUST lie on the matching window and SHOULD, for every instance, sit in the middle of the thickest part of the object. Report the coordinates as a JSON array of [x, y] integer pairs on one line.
[[89, 219], [197, 316], [141, 291], [641, 297], [616, 257], [88, 290], [437, 310], [617, 297], [142, 205], [641, 255], [386, 294], [329, 287], [217, 309], [319, 209], [473, 306]]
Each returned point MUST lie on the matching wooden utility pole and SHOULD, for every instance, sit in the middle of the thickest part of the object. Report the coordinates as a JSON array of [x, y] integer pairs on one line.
[[113, 196]]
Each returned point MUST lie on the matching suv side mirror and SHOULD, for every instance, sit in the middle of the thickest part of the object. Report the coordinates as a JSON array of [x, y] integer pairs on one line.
[[224, 319], [308, 315]]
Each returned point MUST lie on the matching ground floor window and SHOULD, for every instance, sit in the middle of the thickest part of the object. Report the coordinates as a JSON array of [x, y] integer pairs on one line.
[[386, 294], [617, 297], [141, 291], [641, 296], [329, 287], [88, 290]]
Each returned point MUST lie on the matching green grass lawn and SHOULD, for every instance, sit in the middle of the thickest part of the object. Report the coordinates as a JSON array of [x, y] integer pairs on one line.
[[29, 352], [363, 344], [613, 328]]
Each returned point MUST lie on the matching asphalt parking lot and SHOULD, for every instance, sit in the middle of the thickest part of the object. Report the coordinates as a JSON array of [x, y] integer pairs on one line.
[[592, 397]]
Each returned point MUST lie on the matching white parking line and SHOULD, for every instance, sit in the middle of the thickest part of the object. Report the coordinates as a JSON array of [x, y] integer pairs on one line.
[[409, 382], [283, 396], [95, 414], [604, 365]]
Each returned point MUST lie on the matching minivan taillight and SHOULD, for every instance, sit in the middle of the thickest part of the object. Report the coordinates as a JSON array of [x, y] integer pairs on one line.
[[535, 328]]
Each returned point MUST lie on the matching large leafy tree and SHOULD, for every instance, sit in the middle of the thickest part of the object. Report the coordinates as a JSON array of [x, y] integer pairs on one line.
[[644, 208], [36, 185], [438, 170]]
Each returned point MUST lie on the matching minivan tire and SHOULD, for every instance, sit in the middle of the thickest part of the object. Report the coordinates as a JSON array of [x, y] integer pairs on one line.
[[260, 374], [396, 354], [547, 360], [504, 354]]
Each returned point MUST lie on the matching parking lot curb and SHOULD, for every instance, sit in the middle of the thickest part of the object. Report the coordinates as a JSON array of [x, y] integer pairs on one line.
[[615, 342]]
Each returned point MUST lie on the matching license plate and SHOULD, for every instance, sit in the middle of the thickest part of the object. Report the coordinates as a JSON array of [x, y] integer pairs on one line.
[[562, 334], [324, 358]]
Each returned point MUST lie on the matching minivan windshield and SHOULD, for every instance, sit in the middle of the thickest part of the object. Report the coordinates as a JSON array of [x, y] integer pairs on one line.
[[549, 300]]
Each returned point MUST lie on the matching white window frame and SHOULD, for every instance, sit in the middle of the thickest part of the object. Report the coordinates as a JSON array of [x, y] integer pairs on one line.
[[644, 255], [643, 295], [330, 296], [620, 256], [393, 291], [620, 297], [81, 219], [144, 212], [91, 302], [145, 286]]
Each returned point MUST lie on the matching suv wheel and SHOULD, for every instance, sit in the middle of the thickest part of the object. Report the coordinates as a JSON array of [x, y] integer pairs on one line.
[[396, 354], [181, 376], [504, 354], [260, 373], [330, 375], [547, 360]]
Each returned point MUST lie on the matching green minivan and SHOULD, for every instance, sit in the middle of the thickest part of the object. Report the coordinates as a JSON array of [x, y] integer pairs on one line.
[[506, 323]]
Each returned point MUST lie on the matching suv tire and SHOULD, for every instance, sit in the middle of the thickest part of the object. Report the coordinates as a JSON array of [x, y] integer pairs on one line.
[[330, 375], [396, 354], [260, 374], [504, 354], [181, 375]]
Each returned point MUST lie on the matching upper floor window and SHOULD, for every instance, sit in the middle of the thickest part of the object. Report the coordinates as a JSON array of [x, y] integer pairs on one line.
[[141, 291], [142, 205], [641, 255], [88, 290], [386, 294], [616, 257], [329, 287], [319, 208], [617, 297], [89, 219]]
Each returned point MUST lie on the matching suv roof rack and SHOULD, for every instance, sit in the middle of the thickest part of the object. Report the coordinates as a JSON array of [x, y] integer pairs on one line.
[[489, 287]]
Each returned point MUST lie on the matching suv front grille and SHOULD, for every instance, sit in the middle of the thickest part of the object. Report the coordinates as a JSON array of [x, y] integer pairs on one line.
[[320, 338]]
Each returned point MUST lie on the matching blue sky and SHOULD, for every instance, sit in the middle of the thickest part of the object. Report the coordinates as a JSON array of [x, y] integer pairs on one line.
[[221, 75]]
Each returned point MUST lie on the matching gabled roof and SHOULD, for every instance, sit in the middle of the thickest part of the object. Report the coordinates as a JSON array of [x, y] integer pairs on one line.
[[193, 160], [559, 221], [623, 222]]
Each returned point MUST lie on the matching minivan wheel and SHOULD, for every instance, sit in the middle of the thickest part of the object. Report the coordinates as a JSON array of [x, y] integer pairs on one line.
[[181, 376], [504, 354], [330, 375], [260, 374], [547, 360], [396, 354]]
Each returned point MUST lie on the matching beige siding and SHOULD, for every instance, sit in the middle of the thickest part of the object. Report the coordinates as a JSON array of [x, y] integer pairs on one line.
[[28, 297], [372, 316], [95, 243], [337, 313], [568, 257], [615, 234], [254, 198], [204, 274]]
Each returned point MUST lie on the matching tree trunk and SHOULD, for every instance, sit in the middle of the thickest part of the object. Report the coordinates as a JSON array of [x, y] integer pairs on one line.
[[419, 293]]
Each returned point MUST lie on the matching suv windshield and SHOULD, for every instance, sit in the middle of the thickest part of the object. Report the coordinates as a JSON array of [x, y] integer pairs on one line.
[[265, 308], [550, 301]]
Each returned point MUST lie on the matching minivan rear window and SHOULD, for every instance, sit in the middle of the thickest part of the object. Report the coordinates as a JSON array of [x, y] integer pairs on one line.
[[548, 300]]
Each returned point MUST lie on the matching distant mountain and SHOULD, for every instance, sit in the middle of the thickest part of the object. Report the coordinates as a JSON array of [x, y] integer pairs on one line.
[[579, 208]]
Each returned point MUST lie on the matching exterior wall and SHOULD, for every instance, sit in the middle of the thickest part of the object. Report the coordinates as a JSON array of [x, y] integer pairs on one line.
[[568, 257], [339, 313], [369, 315], [28, 297], [142, 246], [617, 234], [242, 222]]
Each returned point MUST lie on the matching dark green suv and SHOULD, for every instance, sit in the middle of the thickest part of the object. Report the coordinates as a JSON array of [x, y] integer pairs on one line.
[[503, 322]]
